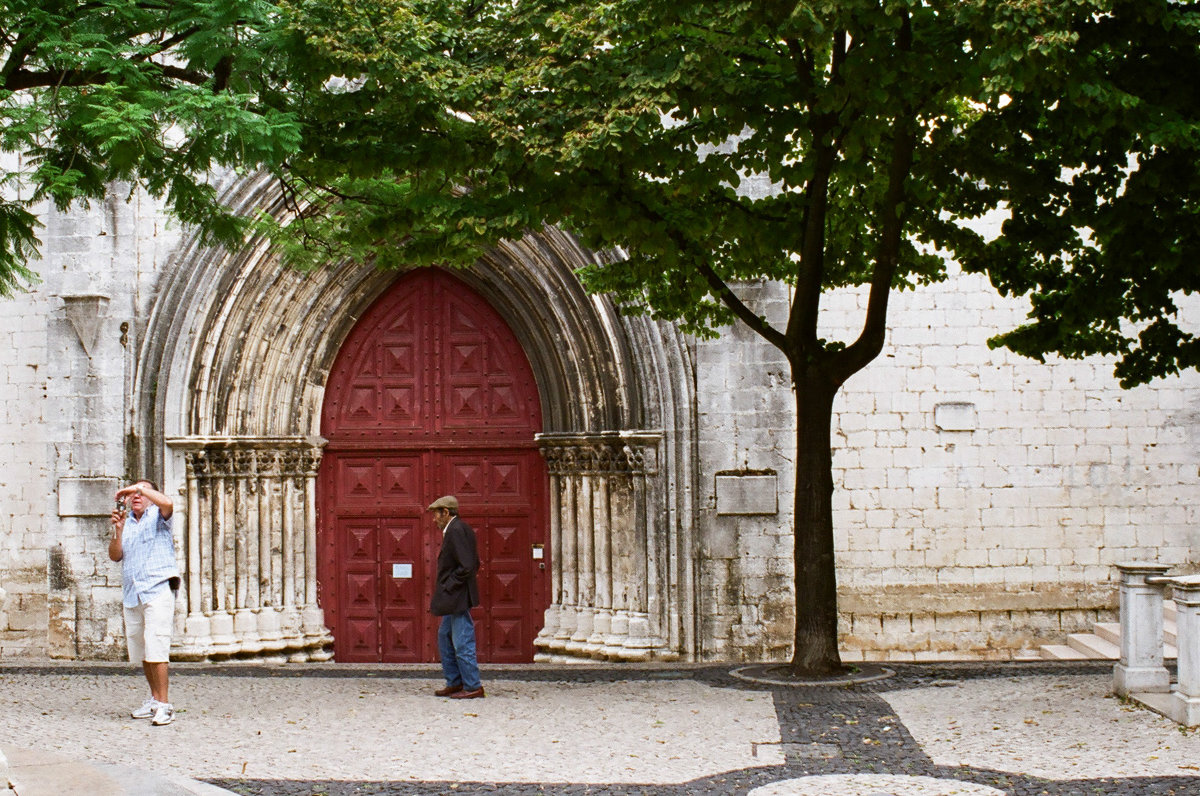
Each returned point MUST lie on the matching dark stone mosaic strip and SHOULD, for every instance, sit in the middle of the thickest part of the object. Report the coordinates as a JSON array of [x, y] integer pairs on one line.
[[910, 675], [735, 783], [860, 724]]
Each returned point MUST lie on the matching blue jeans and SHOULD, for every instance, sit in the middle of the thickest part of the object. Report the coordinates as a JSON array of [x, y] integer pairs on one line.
[[456, 646]]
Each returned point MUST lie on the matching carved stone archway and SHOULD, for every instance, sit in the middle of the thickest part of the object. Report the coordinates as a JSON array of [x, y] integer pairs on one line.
[[229, 387]]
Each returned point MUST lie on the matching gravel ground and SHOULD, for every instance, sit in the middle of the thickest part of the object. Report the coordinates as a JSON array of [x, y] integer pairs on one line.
[[395, 729], [957, 730], [1067, 727]]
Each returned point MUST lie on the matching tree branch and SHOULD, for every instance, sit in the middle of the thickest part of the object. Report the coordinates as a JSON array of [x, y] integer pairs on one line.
[[23, 80], [716, 284], [887, 254], [756, 322]]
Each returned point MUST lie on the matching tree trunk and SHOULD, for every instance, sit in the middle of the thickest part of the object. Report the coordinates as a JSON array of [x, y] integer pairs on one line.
[[816, 648]]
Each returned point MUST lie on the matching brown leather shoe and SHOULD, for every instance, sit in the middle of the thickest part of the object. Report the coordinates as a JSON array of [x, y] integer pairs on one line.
[[476, 694], [449, 690]]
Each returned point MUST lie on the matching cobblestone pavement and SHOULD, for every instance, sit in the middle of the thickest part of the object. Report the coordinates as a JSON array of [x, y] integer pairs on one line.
[[334, 730]]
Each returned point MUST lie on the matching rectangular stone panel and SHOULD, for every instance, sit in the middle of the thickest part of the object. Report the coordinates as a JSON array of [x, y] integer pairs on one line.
[[86, 497], [747, 494]]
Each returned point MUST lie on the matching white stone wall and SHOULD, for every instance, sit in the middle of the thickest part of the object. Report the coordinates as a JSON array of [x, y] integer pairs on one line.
[[66, 352], [981, 498], [24, 474], [747, 432]]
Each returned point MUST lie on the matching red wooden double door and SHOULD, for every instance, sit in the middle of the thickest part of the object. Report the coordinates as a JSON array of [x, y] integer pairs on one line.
[[431, 394]]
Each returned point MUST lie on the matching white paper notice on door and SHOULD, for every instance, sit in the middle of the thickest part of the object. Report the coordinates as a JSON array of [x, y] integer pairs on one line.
[[401, 570]]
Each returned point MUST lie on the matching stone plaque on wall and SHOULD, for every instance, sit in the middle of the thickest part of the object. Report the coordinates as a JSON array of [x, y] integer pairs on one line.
[[86, 497], [954, 416], [747, 493]]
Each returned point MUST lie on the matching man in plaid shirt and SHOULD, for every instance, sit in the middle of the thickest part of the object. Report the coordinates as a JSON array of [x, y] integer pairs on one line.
[[142, 541]]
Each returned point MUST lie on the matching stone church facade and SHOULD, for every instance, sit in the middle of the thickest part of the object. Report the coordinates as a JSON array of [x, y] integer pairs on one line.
[[631, 484]]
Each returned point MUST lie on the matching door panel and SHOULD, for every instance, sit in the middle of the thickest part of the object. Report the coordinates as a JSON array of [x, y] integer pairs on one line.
[[430, 394]]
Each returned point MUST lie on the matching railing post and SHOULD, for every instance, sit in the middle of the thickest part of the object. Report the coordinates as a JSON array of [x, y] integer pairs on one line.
[[1141, 668], [1185, 696]]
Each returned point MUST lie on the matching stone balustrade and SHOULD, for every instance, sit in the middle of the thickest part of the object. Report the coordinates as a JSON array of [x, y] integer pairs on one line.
[[1140, 674]]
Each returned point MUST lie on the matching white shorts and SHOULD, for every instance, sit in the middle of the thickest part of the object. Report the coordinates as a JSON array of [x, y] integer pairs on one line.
[[148, 629]]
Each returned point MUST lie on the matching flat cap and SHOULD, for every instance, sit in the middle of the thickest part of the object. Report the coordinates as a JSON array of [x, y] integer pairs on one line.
[[445, 502]]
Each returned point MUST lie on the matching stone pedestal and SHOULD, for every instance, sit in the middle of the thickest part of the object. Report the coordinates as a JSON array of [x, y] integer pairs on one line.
[[1185, 696], [1141, 666]]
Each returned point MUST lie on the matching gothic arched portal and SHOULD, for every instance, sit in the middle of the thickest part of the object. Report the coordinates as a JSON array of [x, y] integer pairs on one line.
[[231, 382]]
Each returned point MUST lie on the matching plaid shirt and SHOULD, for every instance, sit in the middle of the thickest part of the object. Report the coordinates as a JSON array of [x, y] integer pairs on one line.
[[147, 557]]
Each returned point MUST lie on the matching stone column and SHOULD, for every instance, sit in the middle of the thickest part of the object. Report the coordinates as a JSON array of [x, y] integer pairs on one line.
[[610, 600], [244, 470], [1141, 666], [196, 638], [602, 540], [1185, 696], [585, 566], [316, 636], [270, 631], [553, 614], [568, 613], [252, 551], [224, 642]]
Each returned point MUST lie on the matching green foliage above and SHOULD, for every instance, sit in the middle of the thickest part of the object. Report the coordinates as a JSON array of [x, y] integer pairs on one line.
[[158, 94], [823, 144], [1092, 140]]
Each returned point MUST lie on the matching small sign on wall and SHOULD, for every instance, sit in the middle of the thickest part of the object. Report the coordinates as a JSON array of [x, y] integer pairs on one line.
[[747, 492], [403, 571]]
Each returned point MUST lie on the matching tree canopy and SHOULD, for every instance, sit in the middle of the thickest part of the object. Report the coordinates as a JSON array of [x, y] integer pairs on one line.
[[146, 93], [823, 144], [883, 128]]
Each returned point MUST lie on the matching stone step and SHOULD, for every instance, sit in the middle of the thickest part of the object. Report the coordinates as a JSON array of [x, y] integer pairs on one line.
[[1092, 646], [1061, 652], [1104, 642], [1109, 631]]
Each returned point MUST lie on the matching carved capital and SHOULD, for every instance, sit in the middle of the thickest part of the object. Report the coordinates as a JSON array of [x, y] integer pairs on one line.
[[606, 453], [250, 457]]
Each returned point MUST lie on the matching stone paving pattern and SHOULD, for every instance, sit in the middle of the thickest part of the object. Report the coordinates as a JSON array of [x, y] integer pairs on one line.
[[931, 730]]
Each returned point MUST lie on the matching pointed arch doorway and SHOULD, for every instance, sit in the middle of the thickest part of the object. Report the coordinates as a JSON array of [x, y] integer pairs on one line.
[[430, 394]]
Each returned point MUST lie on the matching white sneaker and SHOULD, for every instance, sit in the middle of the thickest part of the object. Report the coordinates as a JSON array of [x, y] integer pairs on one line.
[[163, 714], [146, 710]]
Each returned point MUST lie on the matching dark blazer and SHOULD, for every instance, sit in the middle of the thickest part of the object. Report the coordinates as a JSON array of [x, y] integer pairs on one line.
[[456, 589]]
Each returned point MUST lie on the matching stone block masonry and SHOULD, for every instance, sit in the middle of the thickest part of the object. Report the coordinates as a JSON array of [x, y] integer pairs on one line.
[[66, 349], [980, 498]]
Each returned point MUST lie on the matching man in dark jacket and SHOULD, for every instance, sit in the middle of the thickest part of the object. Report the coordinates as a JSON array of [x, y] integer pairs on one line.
[[455, 593]]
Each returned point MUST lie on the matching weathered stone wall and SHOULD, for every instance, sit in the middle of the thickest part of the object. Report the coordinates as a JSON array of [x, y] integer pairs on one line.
[[25, 494], [66, 352], [747, 447], [981, 498]]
